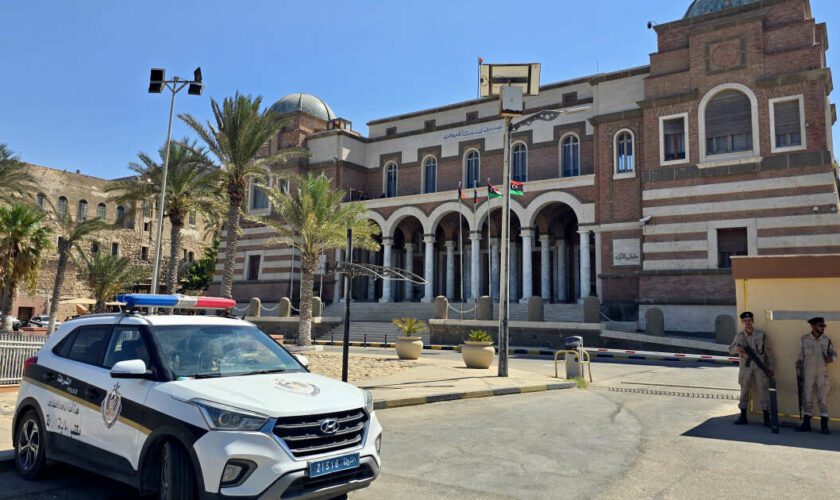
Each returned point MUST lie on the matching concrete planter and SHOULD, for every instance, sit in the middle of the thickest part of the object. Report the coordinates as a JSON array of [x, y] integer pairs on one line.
[[477, 354], [409, 347]]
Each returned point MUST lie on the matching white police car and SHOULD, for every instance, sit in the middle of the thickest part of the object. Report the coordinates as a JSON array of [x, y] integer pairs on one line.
[[192, 407]]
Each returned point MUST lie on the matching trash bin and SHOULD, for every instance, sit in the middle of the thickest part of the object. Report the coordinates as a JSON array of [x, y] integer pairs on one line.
[[574, 366]]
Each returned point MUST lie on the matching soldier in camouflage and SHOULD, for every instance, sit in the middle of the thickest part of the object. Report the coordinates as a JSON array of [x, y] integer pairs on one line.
[[750, 375], [816, 352]]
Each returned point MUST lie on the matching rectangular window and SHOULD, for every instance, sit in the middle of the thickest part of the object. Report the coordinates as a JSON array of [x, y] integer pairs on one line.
[[254, 267], [94, 248], [570, 98], [259, 200], [192, 217], [787, 121], [89, 344], [429, 125], [144, 253], [283, 185], [115, 249], [391, 131], [101, 211], [190, 256], [147, 226], [472, 116], [185, 254], [730, 242], [673, 139], [147, 209]]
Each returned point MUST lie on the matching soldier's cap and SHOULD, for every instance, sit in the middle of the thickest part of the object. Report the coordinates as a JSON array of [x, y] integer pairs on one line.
[[816, 321], [746, 314]]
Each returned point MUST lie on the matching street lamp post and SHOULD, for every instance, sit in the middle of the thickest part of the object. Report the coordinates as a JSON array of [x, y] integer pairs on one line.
[[157, 81]]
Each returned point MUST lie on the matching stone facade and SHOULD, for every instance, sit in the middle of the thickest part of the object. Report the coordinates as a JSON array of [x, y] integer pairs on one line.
[[133, 238], [640, 184]]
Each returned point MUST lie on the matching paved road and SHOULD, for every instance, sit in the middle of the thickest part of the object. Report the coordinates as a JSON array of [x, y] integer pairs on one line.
[[596, 443]]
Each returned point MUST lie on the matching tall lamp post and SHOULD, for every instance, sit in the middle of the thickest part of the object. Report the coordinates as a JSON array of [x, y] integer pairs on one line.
[[157, 81]]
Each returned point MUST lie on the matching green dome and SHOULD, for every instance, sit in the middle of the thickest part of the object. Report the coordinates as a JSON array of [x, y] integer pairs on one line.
[[703, 7], [305, 103]]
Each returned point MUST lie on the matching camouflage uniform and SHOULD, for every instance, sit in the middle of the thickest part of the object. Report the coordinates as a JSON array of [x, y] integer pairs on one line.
[[748, 372], [813, 353]]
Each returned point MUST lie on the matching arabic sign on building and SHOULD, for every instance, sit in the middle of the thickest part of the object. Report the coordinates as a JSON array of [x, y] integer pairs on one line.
[[472, 132], [627, 252]]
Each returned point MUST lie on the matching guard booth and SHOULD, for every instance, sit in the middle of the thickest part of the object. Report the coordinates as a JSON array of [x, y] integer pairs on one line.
[[783, 292]]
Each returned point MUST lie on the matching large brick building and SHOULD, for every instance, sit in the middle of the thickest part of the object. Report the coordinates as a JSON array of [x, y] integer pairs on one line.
[[85, 197], [639, 188]]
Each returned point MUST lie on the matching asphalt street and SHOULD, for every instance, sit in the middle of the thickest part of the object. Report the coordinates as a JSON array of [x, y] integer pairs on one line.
[[627, 436]]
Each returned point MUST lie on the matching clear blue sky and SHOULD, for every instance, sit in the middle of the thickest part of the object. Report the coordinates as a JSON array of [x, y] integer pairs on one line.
[[75, 73]]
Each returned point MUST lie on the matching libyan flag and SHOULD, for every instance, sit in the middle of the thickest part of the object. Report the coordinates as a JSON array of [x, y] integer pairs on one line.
[[516, 189]]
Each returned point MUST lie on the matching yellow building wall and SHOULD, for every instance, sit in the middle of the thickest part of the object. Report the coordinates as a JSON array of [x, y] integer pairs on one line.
[[795, 300]]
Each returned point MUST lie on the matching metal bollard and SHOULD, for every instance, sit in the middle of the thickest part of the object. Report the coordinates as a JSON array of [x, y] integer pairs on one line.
[[364, 342], [386, 340]]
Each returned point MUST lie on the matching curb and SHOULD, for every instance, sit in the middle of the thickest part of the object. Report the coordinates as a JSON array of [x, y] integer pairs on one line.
[[454, 396]]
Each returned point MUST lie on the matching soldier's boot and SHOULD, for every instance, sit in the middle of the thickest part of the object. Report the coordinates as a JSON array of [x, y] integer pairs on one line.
[[766, 418], [742, 420], [824, 425], [805, 426]]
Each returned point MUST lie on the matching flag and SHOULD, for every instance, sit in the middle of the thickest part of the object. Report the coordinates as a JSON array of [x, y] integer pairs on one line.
[[460, 193], [493, 191], [480, 61], [517, 188], [475, 194]]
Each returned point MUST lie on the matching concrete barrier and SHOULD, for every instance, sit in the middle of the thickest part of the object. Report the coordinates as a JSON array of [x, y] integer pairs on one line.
[[591, 310], [654, 322], [485, 308], [284, 307], [317, 307], [441, 307], [536, 310], [725, 329], [254, 307]]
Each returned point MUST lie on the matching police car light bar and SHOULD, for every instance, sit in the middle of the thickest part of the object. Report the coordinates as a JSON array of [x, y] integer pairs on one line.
[[178, 301]]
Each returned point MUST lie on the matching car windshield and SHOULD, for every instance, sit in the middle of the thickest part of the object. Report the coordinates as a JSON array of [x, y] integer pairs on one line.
[[203, 351]]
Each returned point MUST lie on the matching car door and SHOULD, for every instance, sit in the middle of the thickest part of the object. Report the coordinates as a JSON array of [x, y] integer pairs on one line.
[[120, 427]]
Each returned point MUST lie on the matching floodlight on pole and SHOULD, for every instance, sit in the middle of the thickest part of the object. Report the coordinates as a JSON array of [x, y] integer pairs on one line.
[[157, 81], [511, 82]]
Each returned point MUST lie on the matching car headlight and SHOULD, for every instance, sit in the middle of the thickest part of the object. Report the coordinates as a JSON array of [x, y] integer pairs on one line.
[[368, 401], [222, 417]]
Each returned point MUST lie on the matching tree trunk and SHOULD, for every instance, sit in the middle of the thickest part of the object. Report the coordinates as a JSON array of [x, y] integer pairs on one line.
[[231, 240], [307, 280], [176, 224], [63, 252], [10, 292]]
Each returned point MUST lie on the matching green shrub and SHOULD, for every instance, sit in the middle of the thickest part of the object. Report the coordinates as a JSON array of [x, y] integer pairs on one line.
[[410, 327], [480, 336]]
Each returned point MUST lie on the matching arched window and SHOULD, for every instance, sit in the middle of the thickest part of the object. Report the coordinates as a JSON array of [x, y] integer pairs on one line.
[[62, 206], [430, 174], [147, 209], [390, 180], [81, 216], [625, 159], [41, 198], [472, 169], [728, 121], [519, 160], [570, 156], [120, 215], [101, 211]]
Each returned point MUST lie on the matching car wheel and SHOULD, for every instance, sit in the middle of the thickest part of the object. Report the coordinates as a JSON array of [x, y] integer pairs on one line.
[[176, 474], [30, 446]]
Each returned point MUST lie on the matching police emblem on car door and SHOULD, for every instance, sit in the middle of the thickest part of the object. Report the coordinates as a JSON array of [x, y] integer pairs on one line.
[[111, 406]]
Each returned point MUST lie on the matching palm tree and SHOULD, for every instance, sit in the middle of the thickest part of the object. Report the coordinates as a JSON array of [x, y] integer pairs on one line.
[[241, 129], [14, 179], [313, 219], [71, 233], [108, 275], [24, 241], [191, 186]]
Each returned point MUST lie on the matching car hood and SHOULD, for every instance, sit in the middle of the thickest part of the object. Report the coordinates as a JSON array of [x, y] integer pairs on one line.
[[274, 395]]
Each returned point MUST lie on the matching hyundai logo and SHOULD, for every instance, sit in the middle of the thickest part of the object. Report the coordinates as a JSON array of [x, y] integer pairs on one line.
[[329, 426]]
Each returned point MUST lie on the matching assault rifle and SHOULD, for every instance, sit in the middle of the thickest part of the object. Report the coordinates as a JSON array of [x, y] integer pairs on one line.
[[774, 403]]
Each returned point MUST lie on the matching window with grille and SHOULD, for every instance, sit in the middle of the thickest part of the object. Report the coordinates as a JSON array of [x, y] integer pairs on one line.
[[42, 200], [81, 215], [391, 131], [673, 138], [570, 156], [101, 211], [787, 120], [728, 123], [519, 160], [120, 214], [192, 218], [624, 158], [391, 180], [430, 173], [62, 206], [147, 209], [259, 200], [731, 242], [472, 116], [472, 169], [429, 125]]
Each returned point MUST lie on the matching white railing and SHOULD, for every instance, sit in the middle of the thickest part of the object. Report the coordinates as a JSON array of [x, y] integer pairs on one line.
[[15, 348]]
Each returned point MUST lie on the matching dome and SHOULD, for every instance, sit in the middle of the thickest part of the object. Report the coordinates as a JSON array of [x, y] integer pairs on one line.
[[703, 7], [306, 103]]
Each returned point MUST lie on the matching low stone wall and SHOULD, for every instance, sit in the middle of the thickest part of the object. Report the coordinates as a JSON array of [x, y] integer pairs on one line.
[[288, 327], [522, 333]]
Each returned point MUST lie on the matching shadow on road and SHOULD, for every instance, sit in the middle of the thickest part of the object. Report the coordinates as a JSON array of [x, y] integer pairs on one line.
[[722, 428]]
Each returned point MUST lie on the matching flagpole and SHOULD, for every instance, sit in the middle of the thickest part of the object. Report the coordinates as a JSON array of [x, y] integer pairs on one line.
[[489, 256], [461, 246]]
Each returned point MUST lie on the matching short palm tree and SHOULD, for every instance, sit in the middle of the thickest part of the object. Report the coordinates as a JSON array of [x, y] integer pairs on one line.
[[25, 239], [240, 130], [14, 179], [70, 233], [410, 327], [107, 275], [313, 219], [191, 186]]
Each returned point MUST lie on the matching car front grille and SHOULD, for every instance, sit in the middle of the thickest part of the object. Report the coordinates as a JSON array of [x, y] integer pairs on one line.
[[304, 437]]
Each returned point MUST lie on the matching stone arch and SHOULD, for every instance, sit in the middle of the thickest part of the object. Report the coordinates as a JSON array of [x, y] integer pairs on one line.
[[583, 215], [378, 219], [483, 210], [401, 213], [447, 208]]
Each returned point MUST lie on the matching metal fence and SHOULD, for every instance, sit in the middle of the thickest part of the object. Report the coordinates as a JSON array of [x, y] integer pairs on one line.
[[15, 348]]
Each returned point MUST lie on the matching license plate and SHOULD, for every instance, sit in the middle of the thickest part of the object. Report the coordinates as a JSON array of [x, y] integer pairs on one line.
[[323, 467]]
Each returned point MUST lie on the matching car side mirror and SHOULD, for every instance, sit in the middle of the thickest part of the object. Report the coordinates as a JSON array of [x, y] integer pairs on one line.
[[130, 368], [303, 360]]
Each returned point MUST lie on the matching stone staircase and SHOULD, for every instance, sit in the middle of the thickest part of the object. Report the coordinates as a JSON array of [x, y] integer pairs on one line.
[[375, 312], [370, 331]]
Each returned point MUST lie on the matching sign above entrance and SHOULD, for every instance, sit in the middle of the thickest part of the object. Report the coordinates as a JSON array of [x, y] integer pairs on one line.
[[473, 132]]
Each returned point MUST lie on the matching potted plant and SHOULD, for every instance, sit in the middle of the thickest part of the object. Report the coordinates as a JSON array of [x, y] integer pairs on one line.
[[410, 344], [478, 350]]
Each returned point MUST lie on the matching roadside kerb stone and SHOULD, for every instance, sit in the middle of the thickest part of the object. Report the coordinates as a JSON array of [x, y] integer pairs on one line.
[[454, 396]]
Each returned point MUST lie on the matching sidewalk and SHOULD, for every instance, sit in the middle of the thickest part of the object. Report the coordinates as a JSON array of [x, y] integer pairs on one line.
[[431, 380]]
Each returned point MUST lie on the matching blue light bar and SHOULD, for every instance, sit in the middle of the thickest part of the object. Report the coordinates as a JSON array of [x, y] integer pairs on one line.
[[177, 300]]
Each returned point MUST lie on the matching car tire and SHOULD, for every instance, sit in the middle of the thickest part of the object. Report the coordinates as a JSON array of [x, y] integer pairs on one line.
[[177, 480], [30, 446]]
